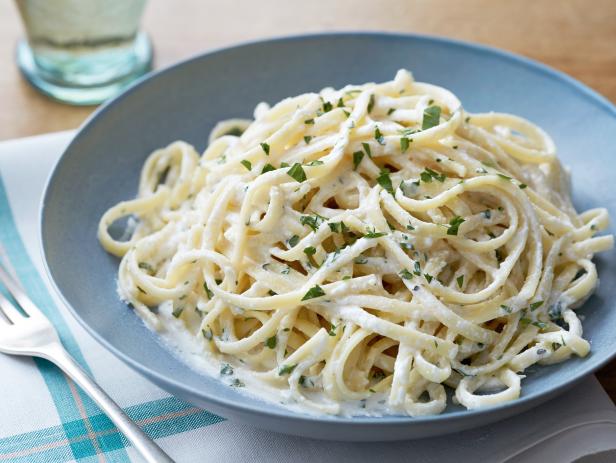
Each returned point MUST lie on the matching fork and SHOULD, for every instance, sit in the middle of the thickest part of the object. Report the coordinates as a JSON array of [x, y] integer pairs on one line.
[[33, 335]]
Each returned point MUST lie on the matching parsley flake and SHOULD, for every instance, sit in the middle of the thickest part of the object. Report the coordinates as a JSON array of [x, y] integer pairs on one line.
[[313, 292], [313, 222], [177, 312], [357, 157], [385, 181], [297, 172], [431, 117], [454, 224], [371, 103], [404, 144], [310, 251], [536, 305], [374, 234], [246, 163], [286, 369], [404, 273], [271, 342], [208, 291], [366, 147], [266, 148], [267, 168], [378, 136]]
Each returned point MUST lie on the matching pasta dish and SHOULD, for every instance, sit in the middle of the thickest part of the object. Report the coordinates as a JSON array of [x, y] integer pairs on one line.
[[362, 250]]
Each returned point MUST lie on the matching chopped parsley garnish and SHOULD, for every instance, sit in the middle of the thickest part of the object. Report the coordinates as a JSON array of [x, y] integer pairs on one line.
[[266, 148], [310, 251], [366, 147], [208, 291], [357, 157], [146, 266], [334, 226], [226, 369], [506, 308], [522, 186], [431, 117], [540, 325], [271, 342], [404, 144], [293, 241], [385, 181], [428, 277], [312, 221], [504, 177], [327, 106], [417, 268], [371, 103], [404, 273], [307, 139], [141, 290], [374, 234], [536, 305], [313, 292], [246, 163], [378, 136], [297, 172], [237, 383], [428, 175], [316, 162], [309, 121], [235, 131], [286, 369], [410, 227], [332, 330], [390, 110], [177, 312], [340, 103], [267, 168], [454, 224], [460, 281]]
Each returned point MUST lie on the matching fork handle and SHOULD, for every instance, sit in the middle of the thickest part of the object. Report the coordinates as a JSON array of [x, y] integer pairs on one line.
[[144, 445]]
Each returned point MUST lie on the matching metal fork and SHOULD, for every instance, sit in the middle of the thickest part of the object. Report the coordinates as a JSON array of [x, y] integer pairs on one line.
[[34, 335]]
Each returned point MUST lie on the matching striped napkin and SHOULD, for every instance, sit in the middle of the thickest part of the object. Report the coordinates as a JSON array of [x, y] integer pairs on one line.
[[44, 417]]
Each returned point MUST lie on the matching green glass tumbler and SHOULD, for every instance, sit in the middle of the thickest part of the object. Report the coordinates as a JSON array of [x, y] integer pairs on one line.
[[82, 52]]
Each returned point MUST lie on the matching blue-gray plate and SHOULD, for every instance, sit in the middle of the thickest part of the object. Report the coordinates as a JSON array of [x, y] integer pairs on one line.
[[102, 164]]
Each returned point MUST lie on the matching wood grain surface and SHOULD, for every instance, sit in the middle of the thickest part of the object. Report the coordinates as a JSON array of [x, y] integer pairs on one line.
[[574, 36]]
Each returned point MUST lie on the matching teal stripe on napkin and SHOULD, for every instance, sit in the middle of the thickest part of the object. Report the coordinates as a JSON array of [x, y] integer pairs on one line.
[[84, 431]]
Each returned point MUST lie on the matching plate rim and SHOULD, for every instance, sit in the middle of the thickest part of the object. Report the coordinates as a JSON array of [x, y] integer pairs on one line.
[[169, 384]]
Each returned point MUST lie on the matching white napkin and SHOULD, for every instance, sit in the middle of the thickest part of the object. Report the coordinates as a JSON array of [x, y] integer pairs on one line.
[[578, 423]]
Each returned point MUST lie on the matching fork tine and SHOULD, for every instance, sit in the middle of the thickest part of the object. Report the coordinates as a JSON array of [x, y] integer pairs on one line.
[[9, 310], [20, 296]]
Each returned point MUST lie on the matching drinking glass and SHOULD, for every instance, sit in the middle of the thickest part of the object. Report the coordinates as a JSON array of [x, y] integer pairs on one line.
[[82, 52]]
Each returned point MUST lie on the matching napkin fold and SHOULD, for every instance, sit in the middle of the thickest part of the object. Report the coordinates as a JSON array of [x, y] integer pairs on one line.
[[44, 417]]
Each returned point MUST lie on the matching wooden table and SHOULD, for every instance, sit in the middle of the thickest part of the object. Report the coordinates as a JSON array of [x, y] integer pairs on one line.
[[575, 36]]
